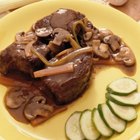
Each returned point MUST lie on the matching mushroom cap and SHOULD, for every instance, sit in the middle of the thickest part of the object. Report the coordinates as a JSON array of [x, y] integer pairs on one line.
[[103, 32], [114, 42], [15, 98], [37, 106], [125, 55], [44, 32], [101, 49], [60, 36]]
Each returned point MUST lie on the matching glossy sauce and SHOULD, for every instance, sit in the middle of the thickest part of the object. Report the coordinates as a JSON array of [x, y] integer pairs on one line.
[[18, 115]]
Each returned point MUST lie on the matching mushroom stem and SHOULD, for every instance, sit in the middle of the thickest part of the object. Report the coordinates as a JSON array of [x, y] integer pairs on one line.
[[28, 48]]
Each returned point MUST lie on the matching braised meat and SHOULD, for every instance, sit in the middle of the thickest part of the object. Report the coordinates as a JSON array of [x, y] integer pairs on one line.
[[13, 58], [68, 86], [44, 32]]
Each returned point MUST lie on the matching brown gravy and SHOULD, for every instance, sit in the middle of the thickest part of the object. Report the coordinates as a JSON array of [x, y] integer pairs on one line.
[[18, 115], [129, 71]]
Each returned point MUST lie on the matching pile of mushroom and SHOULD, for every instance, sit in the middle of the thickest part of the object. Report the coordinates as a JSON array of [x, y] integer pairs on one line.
[[106, 45], [34, 105]]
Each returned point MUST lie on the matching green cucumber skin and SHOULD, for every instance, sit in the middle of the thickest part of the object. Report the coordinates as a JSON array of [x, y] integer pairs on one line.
[[100, 112], [117, 93], [97, 128], [107, 102], [121, 94], [108, 97], [66, 123]]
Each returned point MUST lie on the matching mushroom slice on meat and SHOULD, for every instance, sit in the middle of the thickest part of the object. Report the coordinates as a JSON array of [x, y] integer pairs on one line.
[[37, 106], [126, 56], [101, 49], [113, 41], [44, 32], [60, 36], [16, 97], [24, 38]]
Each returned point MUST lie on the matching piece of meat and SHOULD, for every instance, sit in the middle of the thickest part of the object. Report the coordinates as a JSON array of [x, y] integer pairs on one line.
[[67, 87], [59, 19], [13, 58]]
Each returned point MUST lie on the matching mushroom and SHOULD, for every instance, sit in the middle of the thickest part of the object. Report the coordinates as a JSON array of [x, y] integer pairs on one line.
[[113, 41], [37, 106], [125, 55], [117, 2], [60, 36], [15, 98], [103, 32], [25, 38], [44, 32], [87, 36], [101, 49]]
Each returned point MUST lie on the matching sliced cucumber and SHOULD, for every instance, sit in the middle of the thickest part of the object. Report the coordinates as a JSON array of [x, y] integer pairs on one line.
[[129, 100], [89, 130], [110, 119], [124, 112], [122, 86], [72, 127], [100, 125]]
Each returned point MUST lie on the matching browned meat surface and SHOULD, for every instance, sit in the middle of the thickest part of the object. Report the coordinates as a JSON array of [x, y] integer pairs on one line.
[[44, 30], [67, 87], [14, 58]]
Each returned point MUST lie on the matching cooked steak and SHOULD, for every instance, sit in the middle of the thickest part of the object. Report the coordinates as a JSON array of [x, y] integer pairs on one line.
[[14, 58], [67, 87], [44, 32], [62, 18]]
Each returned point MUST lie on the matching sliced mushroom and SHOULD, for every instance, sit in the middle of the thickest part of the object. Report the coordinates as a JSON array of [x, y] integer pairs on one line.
[[101, 49], [87, 36], [24, 38], [37, 106], [60, 36], [44, 32], [126, 56], [15, 98], [103, 32], [113, 41]]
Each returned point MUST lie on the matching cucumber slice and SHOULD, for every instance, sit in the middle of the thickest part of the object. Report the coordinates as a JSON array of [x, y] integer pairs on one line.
[[129, 100], [100, 125], [72, 127], [124, 112], [122, 86], [110, 119], [89, 130]]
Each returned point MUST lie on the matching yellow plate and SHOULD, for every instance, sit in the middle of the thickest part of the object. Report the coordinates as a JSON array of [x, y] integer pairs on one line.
[[101, 16]]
